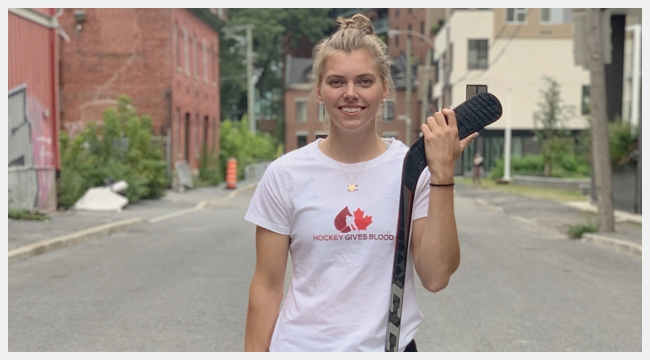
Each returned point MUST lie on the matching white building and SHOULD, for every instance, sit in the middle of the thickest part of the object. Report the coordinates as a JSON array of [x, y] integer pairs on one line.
[[511, 51]]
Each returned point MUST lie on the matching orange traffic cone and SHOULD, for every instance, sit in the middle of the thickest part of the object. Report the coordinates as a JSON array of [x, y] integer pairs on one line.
[[231, 173]]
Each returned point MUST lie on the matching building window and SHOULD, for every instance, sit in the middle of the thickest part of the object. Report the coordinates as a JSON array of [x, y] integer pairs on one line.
[[186, 50], [177, 50], [516, 16], [396, 12], [301, 111], [556, 16], [205, 60], [214, 63], [321, 136], [196, 57], [397, 39], [586, 100], [477, 54], [389, 110], [302, 140], [422, 30], [471, 90]]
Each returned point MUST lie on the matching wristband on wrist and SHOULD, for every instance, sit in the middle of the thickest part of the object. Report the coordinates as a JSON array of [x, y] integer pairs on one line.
[[441, 185]]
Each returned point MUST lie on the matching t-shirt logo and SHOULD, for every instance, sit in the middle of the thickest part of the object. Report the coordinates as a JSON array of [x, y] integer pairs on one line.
[[346, 221]]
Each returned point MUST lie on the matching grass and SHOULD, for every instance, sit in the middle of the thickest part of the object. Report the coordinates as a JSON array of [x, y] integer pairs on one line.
[[530, 191], [576, 231], [23, 214]]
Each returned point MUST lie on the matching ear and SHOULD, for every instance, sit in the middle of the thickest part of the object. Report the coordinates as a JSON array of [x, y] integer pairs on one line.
[[318, 95]]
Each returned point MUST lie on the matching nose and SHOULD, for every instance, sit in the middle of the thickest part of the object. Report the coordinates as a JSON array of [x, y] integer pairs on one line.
[[350, 94]]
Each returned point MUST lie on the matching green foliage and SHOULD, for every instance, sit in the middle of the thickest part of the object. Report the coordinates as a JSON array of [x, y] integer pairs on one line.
[[208, 169], [24, 214], [237, 141], [122, 149], [570, 165], [549, 121], [623, 143], [576, 231], [275, 29]]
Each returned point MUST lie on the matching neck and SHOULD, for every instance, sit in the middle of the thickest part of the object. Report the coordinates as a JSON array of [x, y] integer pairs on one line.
[[352, 148]]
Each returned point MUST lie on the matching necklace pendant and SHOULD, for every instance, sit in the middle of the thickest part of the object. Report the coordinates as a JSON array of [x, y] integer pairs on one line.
[[352, 187]]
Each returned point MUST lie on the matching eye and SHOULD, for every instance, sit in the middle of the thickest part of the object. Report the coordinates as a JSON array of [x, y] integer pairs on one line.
[[335, 82], [365, 82]]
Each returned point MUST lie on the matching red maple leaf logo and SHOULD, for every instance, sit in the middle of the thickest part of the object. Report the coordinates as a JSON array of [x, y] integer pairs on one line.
[[360, 220]]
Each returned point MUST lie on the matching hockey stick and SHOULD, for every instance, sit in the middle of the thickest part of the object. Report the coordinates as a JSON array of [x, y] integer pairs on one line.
[[472, 115]]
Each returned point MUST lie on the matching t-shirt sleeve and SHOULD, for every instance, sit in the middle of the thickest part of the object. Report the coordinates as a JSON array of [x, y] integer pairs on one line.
[[421, 200], [269, 207]]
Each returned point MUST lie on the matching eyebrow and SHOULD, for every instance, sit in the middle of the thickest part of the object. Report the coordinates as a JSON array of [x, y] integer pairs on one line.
[[358, 76]]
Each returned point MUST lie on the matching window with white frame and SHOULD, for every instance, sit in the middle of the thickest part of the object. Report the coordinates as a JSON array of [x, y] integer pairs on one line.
[[516, 16], [301, 110], [186, 50], [556, 16], [389, 110], [477, 54]]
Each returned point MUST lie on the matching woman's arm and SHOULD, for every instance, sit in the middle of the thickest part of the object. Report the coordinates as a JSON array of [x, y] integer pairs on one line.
[[434, 239], [267, 288]]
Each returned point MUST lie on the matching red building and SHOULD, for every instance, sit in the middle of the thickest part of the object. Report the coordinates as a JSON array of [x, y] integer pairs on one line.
[[33, 118], [165, 60]]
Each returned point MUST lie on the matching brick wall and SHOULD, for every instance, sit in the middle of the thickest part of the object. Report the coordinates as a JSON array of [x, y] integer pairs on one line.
[[133, 52]]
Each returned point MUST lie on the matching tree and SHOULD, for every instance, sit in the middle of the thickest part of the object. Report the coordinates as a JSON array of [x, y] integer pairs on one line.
[[602, 167], [275, 30], [555, 141]]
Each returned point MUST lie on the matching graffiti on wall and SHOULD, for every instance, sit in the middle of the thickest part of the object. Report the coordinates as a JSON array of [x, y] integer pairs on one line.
[[32, 174]]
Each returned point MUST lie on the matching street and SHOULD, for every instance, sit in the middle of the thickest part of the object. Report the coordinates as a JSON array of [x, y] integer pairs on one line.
[[182, 285]]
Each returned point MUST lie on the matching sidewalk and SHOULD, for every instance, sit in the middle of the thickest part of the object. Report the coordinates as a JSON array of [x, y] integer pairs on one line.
[[559, 216], [28, 238]]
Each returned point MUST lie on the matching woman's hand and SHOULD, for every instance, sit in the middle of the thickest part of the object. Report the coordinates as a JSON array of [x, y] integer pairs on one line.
[[442, 146]]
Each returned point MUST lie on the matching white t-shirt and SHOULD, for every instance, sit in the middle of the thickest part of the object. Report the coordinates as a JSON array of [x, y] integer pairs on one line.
[[342, 248]]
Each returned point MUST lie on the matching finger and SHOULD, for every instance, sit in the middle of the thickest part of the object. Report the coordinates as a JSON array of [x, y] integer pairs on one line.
[[466, 141], [439, 118], [425, 127], [450, 115]]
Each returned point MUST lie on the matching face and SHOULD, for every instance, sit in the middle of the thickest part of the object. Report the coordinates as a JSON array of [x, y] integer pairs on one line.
[[351, 89]]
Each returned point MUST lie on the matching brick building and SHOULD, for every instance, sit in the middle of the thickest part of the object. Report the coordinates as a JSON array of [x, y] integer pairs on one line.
[[165, 60], [304, 123], [33, 116]]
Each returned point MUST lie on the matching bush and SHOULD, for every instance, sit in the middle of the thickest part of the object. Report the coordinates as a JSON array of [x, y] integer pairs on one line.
[[623, 145], [576, 231], [237, 141], [570, 166], [123, 148]]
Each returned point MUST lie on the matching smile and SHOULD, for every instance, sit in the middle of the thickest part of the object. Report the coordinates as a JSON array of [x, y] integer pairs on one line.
[[351, 110]]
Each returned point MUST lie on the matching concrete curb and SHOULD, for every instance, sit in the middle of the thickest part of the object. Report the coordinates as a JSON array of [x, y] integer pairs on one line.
[[28, 251], [25, 252], [610, 242], [618, 214]]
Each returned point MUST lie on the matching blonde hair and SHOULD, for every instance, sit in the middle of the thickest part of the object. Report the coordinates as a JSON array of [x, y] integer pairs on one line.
[[355, 33]]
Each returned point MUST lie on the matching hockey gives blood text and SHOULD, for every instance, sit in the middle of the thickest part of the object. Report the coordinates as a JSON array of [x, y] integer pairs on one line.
[[351, 225]]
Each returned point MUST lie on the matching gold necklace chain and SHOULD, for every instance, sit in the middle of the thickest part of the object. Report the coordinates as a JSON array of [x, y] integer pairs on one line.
[[352, 186]]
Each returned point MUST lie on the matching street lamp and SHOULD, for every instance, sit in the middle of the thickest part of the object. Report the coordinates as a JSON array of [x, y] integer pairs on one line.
[[392, 33]]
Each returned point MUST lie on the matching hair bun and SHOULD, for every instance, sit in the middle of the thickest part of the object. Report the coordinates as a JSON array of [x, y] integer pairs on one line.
[[357, 21]]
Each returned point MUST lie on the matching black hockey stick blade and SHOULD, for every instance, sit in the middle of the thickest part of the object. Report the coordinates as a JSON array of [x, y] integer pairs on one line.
[[472, 115]]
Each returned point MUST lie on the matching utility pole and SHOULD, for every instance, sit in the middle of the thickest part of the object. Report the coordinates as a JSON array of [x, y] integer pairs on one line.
[[229, 32], [408, 90], [425, 88], [249, 78], [602, 168], [507, 147]]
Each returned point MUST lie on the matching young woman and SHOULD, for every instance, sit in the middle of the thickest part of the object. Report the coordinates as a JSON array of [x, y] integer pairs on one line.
[[333, 205]]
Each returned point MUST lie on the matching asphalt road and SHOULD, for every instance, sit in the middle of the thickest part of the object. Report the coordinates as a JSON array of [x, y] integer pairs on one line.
[[182, 285]]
